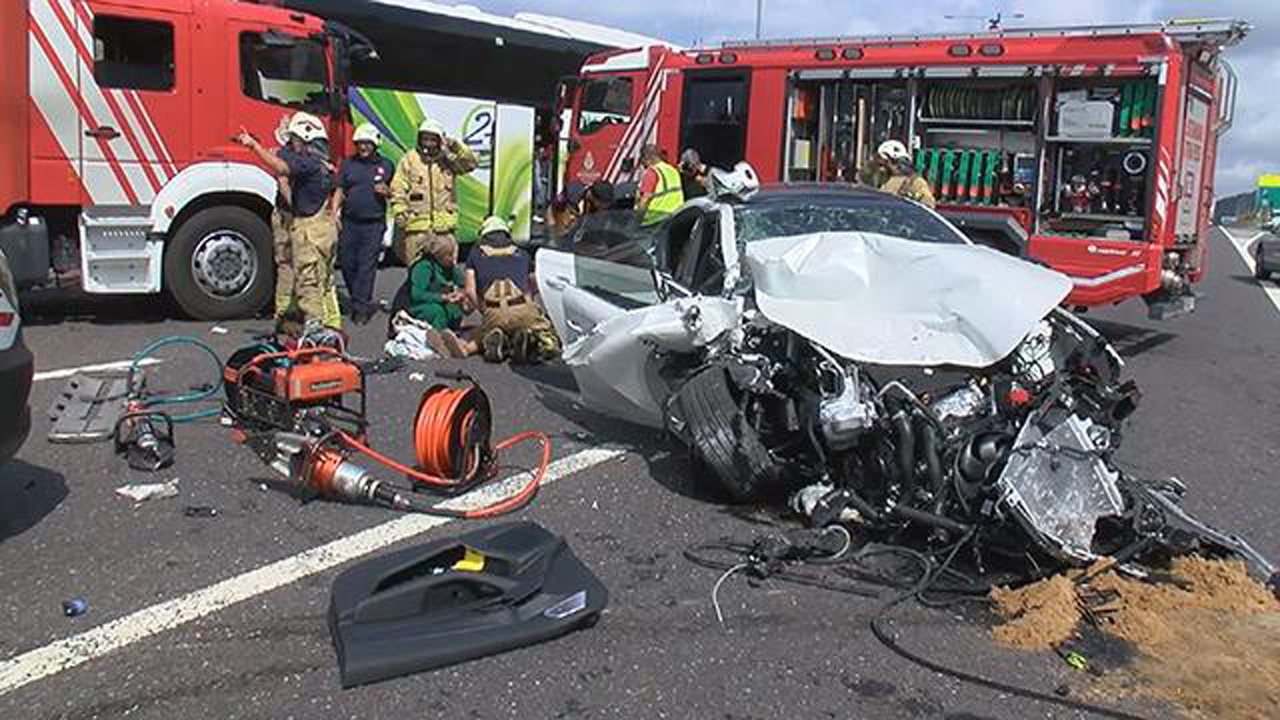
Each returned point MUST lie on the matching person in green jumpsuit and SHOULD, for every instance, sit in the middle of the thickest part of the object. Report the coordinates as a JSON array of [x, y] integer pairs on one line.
[[436, 294]]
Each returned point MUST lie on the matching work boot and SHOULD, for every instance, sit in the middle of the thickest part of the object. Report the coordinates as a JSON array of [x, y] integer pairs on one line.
[[522, 349], [494, 344]]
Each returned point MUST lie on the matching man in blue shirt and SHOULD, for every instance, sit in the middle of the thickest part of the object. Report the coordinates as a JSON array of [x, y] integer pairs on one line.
[[360, 206]]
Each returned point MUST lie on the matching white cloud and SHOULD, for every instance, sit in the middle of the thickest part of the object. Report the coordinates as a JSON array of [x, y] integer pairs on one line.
[[1246, 151]]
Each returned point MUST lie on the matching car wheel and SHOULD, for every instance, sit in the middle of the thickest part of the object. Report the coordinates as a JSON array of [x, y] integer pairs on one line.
[[1260, 271], [721, 437], [219, 264]]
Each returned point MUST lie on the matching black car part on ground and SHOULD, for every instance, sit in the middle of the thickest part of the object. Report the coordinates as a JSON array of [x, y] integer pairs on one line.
[[1018, 454], [459, 598]]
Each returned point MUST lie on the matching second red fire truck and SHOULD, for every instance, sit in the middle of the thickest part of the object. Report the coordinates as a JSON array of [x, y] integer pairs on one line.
[[1090, 149]]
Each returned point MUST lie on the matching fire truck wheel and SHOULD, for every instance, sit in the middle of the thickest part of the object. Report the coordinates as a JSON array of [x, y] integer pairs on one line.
[[218, 265]]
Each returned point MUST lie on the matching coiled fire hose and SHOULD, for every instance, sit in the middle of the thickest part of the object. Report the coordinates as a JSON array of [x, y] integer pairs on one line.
[[452, 452]]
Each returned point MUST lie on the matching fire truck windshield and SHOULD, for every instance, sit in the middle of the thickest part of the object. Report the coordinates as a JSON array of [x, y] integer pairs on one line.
[[794, 213], [283, 70]]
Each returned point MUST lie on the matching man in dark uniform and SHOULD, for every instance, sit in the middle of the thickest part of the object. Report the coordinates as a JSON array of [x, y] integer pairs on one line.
[[360, 206], [312, 233], [498, 282]]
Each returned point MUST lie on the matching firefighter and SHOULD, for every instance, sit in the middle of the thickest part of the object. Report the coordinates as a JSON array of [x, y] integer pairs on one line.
[[903, 180], [693, 174], [422, 197], [360, 208], [312, 233], [660, 191], [499, 282]]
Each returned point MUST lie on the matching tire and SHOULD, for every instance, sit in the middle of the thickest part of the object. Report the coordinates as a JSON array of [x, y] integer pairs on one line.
[[1260, 271], [233, 276], [721, 437]]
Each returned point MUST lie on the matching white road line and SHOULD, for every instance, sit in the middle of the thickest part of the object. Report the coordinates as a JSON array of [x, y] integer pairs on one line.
[[70, 652], [68, 372], [1242, 246]]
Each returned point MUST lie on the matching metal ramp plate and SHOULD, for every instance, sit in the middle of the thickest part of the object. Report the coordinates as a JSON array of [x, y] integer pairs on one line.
[[88, 407]]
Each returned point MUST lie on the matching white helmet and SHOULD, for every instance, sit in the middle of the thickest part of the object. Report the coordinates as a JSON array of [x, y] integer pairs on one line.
[[741, 182], [893, 150], [366, 133], [431, 126], [493, 223], [307, 127]]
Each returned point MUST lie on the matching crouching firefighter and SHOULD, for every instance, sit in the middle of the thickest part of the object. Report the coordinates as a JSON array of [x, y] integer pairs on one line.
[[498, 282]]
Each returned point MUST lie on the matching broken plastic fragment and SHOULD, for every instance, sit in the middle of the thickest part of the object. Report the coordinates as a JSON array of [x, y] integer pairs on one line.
[[141, 492]]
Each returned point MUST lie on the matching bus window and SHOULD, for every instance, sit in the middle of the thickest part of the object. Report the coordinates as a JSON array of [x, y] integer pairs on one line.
[[603, 102]]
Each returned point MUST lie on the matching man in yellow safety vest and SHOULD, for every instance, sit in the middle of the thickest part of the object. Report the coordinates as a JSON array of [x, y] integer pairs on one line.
[[660, 187]]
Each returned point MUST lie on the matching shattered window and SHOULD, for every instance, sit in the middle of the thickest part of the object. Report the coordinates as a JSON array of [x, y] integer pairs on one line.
[[604, 102], [894, 219], [284, 70]]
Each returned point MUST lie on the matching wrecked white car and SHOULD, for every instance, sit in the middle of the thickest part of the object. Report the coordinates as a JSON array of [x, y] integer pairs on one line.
[[853, 352]]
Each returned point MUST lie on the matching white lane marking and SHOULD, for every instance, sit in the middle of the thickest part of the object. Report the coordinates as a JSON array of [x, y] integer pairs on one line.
[[68, 372], [1270, 287], [70, 652]]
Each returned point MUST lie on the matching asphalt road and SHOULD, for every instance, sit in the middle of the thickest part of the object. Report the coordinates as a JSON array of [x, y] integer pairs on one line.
[[1208, 417]]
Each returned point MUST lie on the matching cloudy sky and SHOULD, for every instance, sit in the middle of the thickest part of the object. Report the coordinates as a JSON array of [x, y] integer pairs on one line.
[[1249, 149]]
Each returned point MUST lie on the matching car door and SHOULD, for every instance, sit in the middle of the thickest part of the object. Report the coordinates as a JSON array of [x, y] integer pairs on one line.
[[599, 290]]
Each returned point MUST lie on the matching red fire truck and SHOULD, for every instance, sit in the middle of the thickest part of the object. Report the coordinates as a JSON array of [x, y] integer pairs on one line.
[[1090, 149], [116, 140]]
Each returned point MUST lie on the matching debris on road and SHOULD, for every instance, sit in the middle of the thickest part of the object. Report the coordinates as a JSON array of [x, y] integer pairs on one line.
[[74, 607], [142, 492], [1206, 634], [218, 330], [456, 599], [205, 511]]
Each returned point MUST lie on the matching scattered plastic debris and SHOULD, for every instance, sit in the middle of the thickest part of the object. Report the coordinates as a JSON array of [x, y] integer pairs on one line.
[[141, 492], [200, 511], [74, 607], [218, 330], [417, 377]]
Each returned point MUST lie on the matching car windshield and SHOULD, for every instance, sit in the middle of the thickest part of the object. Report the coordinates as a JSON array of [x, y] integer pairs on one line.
[[778, 217]]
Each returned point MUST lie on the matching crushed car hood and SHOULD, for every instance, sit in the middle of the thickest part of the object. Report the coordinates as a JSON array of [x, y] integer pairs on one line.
[[884, 300]]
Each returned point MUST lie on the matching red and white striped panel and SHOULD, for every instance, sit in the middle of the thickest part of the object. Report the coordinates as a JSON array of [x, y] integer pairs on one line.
[[127, 170], [643, 128]]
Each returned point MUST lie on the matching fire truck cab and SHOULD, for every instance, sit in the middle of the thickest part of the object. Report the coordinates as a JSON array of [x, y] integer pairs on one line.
[[1090, 149], [117, 141]]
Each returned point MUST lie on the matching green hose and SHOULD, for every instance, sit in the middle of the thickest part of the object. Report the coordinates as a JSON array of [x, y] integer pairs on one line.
[[182, 398]]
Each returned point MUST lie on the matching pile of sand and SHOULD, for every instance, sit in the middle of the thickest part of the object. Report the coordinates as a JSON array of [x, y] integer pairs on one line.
[[1209, 642]]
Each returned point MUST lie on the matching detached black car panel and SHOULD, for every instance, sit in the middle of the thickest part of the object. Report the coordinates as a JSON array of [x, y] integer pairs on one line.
[[455, 599]]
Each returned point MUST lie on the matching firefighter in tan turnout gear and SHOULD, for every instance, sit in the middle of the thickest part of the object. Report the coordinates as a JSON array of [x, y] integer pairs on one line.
[[422, 198], [302, 168], [904, 181], [499, 282]]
